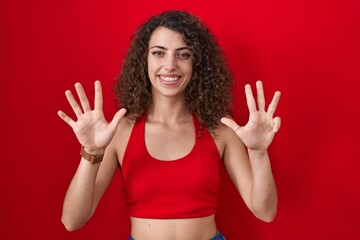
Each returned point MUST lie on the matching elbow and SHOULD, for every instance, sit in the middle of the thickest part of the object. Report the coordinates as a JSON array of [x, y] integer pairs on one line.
[[69, 228], [73, 220], [265, 210], [266, 215], [268, 218], [69, 224]]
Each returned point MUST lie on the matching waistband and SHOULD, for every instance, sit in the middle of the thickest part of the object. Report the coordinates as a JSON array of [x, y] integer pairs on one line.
[[218, 236]]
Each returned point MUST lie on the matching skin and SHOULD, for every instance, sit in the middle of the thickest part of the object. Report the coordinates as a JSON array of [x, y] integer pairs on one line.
[[169, 125]]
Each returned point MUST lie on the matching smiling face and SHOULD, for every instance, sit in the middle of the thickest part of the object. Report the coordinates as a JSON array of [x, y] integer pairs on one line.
[[170, 63]]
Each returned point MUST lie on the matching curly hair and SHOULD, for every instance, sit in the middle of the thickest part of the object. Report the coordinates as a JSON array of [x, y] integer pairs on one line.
[[208, 94]]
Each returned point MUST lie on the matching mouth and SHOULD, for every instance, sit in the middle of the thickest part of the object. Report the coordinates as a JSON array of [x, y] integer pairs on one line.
[[169, 80]]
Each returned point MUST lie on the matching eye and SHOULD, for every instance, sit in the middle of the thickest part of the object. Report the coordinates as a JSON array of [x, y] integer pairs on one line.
[[157, 53], [184, 55]]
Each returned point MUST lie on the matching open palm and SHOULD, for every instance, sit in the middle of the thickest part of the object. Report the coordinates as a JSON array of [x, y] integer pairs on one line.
[[260, 130], [91, 128]]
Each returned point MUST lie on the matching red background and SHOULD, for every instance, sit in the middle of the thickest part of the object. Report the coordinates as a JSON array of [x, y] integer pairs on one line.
[[309, 50]]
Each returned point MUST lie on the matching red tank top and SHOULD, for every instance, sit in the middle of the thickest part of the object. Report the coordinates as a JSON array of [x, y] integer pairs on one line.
[[182, 188]]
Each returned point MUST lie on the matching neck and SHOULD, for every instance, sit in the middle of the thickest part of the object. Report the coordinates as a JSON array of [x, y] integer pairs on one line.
[[167, 109]]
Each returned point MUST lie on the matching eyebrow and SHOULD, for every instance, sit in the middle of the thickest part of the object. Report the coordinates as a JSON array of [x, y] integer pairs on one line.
[[178, 49]]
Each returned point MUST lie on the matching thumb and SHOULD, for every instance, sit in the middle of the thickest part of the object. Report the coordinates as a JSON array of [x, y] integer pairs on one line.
[[230, 123], [277, 124], [116, 119]]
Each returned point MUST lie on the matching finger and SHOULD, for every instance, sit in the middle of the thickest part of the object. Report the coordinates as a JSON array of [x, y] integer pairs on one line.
[[230, 123], [273, 105], [277, 124], [74, 105], [116, 119], [260, 96], [98, 104], [250, 99], [82, 96], [66, 118]]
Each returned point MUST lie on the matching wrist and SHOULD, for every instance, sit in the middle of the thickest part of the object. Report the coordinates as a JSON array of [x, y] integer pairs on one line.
[[257, 153], [94, 151], [92, 157]]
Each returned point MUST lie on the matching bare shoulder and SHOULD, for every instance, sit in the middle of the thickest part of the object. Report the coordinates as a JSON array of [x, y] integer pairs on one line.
[[226, 140], [121, 138]]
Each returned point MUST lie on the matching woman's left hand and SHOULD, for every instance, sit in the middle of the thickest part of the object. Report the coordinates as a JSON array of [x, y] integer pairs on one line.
[[260, 130]]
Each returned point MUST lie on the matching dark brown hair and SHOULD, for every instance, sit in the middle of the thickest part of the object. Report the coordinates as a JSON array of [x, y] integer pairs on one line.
[[208, 94]]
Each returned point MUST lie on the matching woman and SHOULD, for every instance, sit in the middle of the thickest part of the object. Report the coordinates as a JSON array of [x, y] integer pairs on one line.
[[174, 89]]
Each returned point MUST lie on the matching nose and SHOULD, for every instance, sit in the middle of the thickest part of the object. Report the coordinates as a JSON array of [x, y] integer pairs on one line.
[[170, 63]]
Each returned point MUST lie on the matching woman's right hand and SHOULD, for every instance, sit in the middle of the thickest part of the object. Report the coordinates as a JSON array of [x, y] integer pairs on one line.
[[91, 128]]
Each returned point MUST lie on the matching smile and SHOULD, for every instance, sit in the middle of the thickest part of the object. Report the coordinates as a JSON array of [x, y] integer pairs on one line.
[[169, 78]]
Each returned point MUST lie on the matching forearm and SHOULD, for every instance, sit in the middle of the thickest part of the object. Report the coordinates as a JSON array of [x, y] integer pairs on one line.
[[78, 201], [263, 191]]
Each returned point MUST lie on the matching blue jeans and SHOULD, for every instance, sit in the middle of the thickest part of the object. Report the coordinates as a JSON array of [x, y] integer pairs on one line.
[[218, 236]]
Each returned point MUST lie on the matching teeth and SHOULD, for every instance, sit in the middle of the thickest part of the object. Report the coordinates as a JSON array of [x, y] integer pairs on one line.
[[169, 79]]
